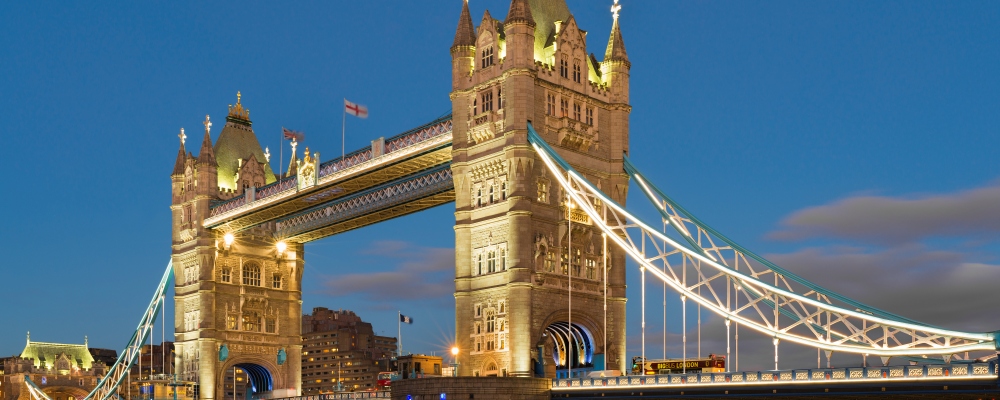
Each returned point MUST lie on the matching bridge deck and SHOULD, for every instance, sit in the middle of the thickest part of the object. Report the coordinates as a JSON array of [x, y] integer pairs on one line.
[[405, 157], [975, 377]]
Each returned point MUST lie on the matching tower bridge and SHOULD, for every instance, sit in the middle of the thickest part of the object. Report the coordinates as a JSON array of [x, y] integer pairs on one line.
[[534, 158]]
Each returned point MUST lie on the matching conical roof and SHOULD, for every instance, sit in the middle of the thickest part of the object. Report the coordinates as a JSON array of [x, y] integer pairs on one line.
[[179, 164], [465, 34], [238, 141], [616, 45], [519, 11]]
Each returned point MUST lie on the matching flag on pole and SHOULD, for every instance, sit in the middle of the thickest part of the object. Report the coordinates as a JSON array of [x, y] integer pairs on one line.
[[355, 109], [404, 319], [292, 135]]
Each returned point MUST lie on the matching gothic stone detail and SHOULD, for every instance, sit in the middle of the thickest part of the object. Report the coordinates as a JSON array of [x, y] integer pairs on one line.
[[506, 204]]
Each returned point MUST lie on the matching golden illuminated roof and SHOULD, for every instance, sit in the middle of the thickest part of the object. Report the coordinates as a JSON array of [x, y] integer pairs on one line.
[[238, 112], [44, 354]]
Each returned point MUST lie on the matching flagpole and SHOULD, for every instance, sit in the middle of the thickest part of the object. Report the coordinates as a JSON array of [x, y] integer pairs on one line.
[[343, 129], [399, 332], [281, 152]]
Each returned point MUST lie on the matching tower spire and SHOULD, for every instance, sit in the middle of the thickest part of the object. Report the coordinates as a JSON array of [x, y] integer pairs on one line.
[[465, 34], [179, 164], [616, 45], [519, 12], [206, 154]]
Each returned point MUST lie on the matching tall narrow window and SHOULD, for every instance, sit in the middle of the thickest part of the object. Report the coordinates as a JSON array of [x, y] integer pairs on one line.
[[576, 112], [276, 281], [271, 325], [591, 266], [500, 101], [487, 100], [563, 69], [550, 261], [543, 192], [577, 75], [551, 104], [487, 56], [491, 194], [227, 275], [503, 261], [590, 115], [231, 322], [563, 108], [503, 190], [251, 274]]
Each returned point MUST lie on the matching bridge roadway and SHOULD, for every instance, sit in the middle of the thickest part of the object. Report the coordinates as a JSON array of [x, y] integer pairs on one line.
[[394, 177], [948, 381]]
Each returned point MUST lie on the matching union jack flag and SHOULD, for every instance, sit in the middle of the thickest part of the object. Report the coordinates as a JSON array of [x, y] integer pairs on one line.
[[292, 135]]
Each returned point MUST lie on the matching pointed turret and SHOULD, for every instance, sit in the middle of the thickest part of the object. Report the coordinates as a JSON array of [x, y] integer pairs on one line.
[[616, 45], [179, 164], [519, 12], [207, 155], [465, 34], [519, 29], [463, 50]]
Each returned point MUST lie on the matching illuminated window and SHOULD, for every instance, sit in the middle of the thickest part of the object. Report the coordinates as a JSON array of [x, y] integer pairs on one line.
[[491, 321], [591, 267], [251, 274], [251, 322], [576, 263], [563, 108], [543, 191], [576, 71], [563, 69], [550, 104], [590, 115], [276, 281], [576, 112], [564, 263], [227, 275], [550, 261], [231, 322], [491, 262]]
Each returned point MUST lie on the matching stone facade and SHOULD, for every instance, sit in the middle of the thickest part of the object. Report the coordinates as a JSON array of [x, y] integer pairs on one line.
[[238, 298], [62, 371], [514, 243]]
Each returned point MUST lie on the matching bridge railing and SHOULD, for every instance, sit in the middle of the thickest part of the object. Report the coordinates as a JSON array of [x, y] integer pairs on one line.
[[358, 158], [931, 372], [381, 394]]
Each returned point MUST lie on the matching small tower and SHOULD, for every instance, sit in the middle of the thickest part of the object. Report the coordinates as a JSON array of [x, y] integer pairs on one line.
[[463, 49]]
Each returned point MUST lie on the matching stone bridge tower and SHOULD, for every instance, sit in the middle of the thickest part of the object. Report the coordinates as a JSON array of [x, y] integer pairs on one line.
[[512, 229], [237, 296]]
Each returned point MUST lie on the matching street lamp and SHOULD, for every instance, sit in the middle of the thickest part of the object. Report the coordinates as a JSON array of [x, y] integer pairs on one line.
[[454, 359]]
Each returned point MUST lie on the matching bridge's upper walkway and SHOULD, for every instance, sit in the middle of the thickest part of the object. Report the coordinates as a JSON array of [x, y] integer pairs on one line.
[[395, 176]]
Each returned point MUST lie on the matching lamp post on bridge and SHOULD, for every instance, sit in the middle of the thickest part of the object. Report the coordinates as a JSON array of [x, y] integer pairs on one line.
[[454, 361]]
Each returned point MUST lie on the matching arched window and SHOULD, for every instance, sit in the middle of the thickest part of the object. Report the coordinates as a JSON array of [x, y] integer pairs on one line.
[[563, 69], [577, 75], [491, 321], [251, 274], [491, 194]]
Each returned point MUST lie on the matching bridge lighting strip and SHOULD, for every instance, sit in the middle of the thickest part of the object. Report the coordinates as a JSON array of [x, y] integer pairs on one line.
[[376, 161], [773, 383], [725, 313]]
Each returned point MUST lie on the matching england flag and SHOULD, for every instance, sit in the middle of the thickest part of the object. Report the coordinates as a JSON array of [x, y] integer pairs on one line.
[[355, 109]]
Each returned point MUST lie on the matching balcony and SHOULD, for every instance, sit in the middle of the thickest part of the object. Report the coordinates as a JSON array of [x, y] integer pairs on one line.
[[484, 126]]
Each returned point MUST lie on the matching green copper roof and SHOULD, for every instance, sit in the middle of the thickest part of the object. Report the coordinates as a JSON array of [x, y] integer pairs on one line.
[[546, 13], [237, 141], [45, 354]]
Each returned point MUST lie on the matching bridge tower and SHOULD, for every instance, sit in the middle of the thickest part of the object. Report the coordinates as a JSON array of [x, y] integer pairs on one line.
[[237, 297], [515, 245]]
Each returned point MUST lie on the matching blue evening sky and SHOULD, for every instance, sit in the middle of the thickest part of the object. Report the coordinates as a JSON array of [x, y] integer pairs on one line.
[[747, 112]]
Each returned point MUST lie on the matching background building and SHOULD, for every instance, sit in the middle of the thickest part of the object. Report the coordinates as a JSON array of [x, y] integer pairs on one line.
[[337, 346], [63, 371], [419, 366]]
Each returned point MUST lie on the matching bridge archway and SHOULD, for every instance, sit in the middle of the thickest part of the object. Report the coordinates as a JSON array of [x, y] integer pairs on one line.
[[581, 342], [259, 377], [65, 392]]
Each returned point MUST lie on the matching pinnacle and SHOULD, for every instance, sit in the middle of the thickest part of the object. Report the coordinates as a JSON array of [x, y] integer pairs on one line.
[[179, 164], [519, 12], [465, 35], [206, 154], [616, 45]]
